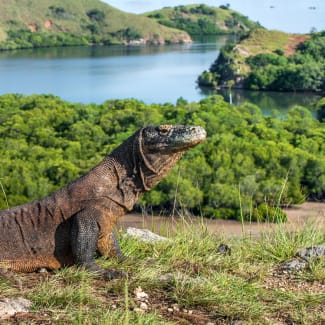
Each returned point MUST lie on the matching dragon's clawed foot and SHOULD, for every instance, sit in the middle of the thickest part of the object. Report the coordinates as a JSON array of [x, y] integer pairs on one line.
[[110, 274]]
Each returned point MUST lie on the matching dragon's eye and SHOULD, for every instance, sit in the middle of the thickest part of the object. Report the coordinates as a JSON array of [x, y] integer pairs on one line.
[[164, 129]]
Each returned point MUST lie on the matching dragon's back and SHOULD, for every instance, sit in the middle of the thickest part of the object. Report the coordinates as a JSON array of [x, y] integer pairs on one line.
[[32, 234]]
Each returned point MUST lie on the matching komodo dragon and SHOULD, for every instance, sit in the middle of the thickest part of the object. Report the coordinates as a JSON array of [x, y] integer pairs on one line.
[[69, 226]]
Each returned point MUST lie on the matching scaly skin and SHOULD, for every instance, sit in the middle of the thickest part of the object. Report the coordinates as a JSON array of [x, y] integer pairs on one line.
[[70, 225]]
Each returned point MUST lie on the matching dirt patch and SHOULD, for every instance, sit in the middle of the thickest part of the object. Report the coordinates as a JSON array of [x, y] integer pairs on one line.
[[298, 216], [286, 281], [243, 51], [32, 28], [294, 41], [48, 24]]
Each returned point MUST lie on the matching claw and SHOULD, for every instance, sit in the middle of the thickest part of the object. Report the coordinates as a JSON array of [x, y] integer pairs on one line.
[[110, 274], [114, 274]]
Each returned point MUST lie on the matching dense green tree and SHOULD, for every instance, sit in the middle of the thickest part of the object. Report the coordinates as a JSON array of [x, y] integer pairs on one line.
[[320, 107], [207, 79], [249, 161], [96, 15], [24, 39]]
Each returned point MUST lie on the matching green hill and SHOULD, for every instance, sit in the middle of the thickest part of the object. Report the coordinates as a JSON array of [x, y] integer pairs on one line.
[[270, 60], [203, 20], [33, 23]]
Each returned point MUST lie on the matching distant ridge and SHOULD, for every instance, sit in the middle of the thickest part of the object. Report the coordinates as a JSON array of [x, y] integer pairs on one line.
[[200, 19], [35, 23]]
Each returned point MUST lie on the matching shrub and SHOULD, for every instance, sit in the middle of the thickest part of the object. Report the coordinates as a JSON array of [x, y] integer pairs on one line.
[[267, 213]]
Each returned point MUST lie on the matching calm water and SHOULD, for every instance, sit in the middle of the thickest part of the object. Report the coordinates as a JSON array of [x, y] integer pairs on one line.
[[94, 74], [150, 74]]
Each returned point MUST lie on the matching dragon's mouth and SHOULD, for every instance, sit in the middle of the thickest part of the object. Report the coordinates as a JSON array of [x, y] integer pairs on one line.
[[187, 137], [199, 135], [172, 138]]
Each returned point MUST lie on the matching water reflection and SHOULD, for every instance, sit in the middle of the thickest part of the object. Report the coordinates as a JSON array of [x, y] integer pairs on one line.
[[200, 45], [268, 101]]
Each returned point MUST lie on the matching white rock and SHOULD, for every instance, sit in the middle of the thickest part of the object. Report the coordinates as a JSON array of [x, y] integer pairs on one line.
[[144, 235], [139, 310], [11, 306], [176, 307], [141, 295], [143, 306]]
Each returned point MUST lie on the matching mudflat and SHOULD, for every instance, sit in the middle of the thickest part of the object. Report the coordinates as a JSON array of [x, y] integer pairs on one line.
[[298, 216]]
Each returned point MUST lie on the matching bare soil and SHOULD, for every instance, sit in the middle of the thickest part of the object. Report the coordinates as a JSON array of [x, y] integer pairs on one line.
[[294, 42], [298, 216]]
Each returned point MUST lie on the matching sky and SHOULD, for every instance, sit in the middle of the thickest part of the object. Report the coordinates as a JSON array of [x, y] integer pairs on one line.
[[293, 16]]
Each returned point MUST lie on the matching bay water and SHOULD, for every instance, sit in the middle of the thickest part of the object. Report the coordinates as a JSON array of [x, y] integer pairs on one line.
[[152, 74]]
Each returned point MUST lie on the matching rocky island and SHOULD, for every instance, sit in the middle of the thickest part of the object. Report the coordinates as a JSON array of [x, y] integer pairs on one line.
[[270, 60]]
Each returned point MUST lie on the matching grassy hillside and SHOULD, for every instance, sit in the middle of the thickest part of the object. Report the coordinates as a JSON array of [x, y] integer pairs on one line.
[[202, 19], [47, 23], [270, 60], [264, 41], [268, 41]]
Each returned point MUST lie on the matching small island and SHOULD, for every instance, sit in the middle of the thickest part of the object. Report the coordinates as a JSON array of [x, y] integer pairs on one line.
[[270, 60]]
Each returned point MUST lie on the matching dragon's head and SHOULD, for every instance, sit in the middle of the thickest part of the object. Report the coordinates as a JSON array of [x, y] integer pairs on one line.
[[160, 148]]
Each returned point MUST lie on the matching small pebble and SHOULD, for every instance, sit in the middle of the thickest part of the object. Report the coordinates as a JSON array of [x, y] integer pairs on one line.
[[143, 306], [140, 294], [138, 310], [176, 307]]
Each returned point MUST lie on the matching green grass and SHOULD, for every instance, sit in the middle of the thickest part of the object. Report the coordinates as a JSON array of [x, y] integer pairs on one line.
[[283, 244], [188, 281], [258, 41], [262, 41]]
